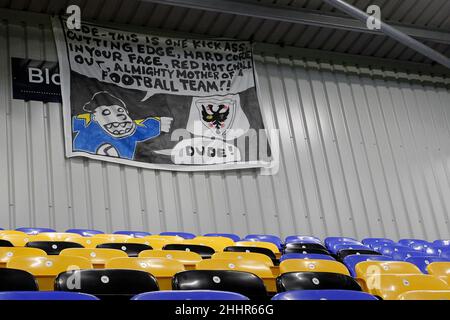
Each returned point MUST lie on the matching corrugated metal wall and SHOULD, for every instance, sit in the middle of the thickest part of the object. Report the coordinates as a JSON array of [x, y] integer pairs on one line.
[[365, 153]]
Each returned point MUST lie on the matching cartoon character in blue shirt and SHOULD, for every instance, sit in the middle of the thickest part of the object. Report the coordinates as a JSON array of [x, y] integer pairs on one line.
[[107, 128]]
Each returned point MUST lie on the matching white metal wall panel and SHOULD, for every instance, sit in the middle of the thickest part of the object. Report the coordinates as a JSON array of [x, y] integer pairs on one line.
[[364, 152]]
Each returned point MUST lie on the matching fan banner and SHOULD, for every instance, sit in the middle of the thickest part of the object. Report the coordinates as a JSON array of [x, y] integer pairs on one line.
[[159, 102]]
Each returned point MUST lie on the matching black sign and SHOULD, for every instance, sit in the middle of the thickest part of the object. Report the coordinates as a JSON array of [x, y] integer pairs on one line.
[[35, 80]]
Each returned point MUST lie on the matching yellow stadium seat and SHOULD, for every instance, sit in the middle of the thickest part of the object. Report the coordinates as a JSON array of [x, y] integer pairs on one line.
[[174, 239], [87, 242], [55, 236], [188, 259], [258, 268], [111, 238], [18, 240], [440, 270], [217, 243], [139, 241], [247, 256], [261, 244], [425, 295], [7, 253], [162, 269], [157, 242], [307, 265], [9, 232], [98, 257], [391, 286], [46, 269]]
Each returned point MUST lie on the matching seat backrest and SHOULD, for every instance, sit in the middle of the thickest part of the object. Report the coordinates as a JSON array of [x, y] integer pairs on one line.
[[313, 256], [407, 242], [265, 238], [107, 283], [391, 286], [258, 244], [424, 261], [259, 268], [53, 247], [244, 283], [441, 243], [352, 260], [330, 241], [245, 256], [157, 267], [324, 295], [366, 269], [439, 268], [231, 236], [7, 253], [303, 265], [316, 281], [134, 234], [55, 236], [297, 249], [185, 257], [372, 241], [302, 239], [85, 232], [203, 251], [45, 295], [217, 243], [184, 235], [112, 238], [131, 249], [425, 295], [260, 250], [301, 245], [87, 242], [209, 295], [35, 230], [348, 252], [17, 280], [98, 257], [18, 239]]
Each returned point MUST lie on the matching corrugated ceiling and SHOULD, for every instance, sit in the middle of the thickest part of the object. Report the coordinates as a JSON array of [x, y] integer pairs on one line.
[[432, 14]]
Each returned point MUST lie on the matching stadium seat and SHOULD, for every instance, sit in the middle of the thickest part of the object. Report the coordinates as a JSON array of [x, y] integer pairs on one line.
[[131, 249], [391, 286], [324, 295], [8, 232], [204, 251], [246, 256], [6, 254], [87, 242], [156, 244], [373, 241], [45, 295], [231, 236], [208, 295], [330, 241], [35, 230], [352, 260], [316, 281], [265, 238], [403, 255], [55, 236], [440, 270], [441, 243], [217, 243], [53, 247], [260, 244], [98, 257], [5, 243], [134, 234], [163, 269], [348, 246], [106, 284], [348, 252], [17, 280], [301, 245], [312, 256], [17, 239], [302, 265], [365, 269], [184, 235], [45, 269], [110, 238], [169, 239], [84, 232], [408, 242], [422, 262], [302, 239], [260, 250], [425, 295], [188, 259], [244, 283], [261, 269], [390, 250]]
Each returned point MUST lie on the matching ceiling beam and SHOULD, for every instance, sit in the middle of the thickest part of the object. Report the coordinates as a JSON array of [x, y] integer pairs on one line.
[[298, 16]]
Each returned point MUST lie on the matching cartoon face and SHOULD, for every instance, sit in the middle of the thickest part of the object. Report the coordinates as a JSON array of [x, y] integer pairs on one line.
[[115, 120]]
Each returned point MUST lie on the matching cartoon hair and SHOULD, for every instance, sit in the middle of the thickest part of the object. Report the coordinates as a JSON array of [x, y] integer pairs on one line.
[[102, 98]]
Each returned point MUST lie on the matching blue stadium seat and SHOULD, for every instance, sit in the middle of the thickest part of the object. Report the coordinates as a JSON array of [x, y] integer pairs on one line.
[[45, 295], [134, 234], [185, 235], [407, 242], [302, 239], [380, 245], [345, 246], [441, 243], [85, 232], [324, 295], [352, 260], [423, 261], [444, 253], [390, 250], [330, 241], [374, 241], [265, 238], [403, 255], [311, 256], [232, 236], [190, 295], [35, 230]]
